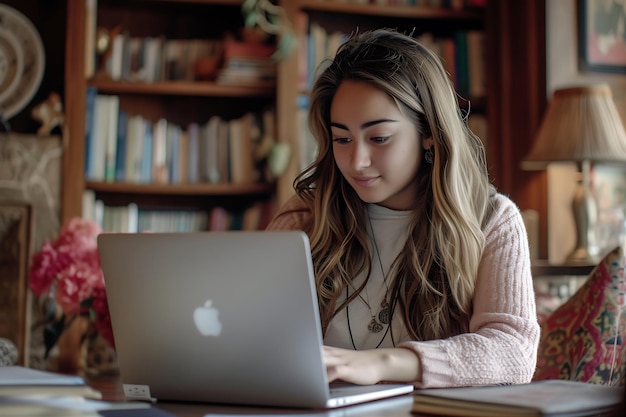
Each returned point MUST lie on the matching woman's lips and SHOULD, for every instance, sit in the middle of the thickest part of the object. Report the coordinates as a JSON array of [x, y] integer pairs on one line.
[[364, 181]]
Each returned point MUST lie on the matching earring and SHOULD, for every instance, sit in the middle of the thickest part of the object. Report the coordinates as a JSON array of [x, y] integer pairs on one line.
[[429, 155]]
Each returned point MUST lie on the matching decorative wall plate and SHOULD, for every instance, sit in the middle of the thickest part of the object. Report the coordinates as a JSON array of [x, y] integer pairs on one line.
[[22, 61]]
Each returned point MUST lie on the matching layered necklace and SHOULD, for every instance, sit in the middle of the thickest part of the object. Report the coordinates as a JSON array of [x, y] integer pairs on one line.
[[383, 317]]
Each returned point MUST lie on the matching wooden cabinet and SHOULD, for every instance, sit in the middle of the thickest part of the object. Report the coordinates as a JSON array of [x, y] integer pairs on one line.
[[180, 101]]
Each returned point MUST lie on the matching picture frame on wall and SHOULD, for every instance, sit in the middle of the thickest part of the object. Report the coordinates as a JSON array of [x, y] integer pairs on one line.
[[16, 231], [602, 35]]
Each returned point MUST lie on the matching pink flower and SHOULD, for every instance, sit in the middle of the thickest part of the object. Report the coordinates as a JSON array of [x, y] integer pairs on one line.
[[103, 318], [68, 270], [76, 242], [76, 284], [44, 269], [78, 229]]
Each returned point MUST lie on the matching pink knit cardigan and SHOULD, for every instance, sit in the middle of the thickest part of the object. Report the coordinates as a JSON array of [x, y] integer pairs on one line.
[[501, 345]]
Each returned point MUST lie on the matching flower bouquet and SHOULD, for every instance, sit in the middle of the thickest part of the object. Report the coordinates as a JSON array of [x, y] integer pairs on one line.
[[66, 277]]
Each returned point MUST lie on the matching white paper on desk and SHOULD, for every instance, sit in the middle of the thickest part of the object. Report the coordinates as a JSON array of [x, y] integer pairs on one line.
[[20, 375], [71, 403]]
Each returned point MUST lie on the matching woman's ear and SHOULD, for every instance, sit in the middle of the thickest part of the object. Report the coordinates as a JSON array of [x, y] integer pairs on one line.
[[428, 142]]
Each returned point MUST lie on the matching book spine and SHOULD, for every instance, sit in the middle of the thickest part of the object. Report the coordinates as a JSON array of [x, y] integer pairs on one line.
[[113, 103], [193, 131], [120, 157], [159, 152], [98, 146], [147, 152], [90, 147]]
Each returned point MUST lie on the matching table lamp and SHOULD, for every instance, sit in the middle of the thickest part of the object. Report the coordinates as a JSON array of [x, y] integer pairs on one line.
[[581, 125]]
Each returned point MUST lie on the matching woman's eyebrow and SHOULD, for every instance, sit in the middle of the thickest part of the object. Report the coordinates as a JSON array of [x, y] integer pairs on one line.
[[364, 125]]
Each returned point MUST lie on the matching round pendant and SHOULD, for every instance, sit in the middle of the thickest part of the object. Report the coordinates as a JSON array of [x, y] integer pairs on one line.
[[383, 315], [375, 327]]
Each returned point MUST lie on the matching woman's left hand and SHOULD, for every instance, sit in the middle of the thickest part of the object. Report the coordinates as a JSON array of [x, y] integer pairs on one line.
[[365, 367]]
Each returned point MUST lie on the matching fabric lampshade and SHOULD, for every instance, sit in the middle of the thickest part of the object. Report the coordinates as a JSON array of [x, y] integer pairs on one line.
[[581, 124]]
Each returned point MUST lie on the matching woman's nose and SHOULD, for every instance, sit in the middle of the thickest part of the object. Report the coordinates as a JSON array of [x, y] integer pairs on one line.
[[361, 157]]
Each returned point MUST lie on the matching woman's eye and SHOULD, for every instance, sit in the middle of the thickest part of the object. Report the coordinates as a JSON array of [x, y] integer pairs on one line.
[[341, 140], [379, 139]]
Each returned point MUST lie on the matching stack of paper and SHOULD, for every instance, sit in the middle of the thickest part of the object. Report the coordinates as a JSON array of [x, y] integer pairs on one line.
[[31, 392]]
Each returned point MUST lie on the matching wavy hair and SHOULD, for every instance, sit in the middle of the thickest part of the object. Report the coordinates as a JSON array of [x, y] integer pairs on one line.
[[434, 274]]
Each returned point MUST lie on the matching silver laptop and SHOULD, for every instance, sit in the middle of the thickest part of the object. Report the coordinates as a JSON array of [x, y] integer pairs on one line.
[[221, 317]]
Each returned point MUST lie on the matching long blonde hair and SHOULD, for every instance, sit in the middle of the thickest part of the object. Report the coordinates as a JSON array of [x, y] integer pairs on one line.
[[434, 274]]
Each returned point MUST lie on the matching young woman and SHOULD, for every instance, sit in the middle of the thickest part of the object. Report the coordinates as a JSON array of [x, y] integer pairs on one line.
[[422, 268]]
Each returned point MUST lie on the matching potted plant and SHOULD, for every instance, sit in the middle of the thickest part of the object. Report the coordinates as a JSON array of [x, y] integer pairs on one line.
[[264, 18]]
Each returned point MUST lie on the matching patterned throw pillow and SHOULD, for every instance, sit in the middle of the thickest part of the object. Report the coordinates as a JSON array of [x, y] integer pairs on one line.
[[583, 339]]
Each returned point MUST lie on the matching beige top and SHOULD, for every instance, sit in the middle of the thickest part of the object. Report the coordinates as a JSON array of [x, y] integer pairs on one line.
[[501, 345]]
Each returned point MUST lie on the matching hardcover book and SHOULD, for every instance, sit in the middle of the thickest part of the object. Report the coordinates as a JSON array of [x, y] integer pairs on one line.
[[541, 398]]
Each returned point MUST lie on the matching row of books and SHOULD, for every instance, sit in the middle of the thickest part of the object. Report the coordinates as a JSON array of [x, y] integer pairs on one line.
[[464, 58], [131, 218], [153, 59], [120, 146], [157, 58], [462, 54]]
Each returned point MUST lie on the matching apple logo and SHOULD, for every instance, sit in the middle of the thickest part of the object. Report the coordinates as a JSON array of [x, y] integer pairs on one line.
[[207, 320]]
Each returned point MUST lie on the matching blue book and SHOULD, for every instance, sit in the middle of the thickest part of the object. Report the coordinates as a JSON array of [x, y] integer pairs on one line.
[[194, 153], [146, 157], [173, 154], [90, 102], [310, 60], [120, 155]]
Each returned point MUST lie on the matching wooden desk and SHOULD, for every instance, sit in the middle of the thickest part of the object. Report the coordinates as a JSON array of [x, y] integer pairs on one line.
[[542, 268], [111, 389]]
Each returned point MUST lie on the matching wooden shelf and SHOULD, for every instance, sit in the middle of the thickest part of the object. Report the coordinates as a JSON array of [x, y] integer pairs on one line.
[[181, 189], [186, 88], [541, 268], [176, 101], [390, 11], [210, 2]]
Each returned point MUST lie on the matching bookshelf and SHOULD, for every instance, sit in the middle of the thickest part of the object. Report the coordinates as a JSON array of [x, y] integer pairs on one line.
[[513, 104], [153, 89]]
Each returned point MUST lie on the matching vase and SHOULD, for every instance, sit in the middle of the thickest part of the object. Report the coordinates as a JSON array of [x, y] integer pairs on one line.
[[101, 357], [72, 358]]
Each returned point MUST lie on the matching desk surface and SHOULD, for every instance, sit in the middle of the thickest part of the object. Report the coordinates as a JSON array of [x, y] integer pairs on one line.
[[111, 389], [544, 268]]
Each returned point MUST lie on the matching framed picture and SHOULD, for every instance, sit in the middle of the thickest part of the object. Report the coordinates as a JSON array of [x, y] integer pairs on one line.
[[15, 299], [602, 35]]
